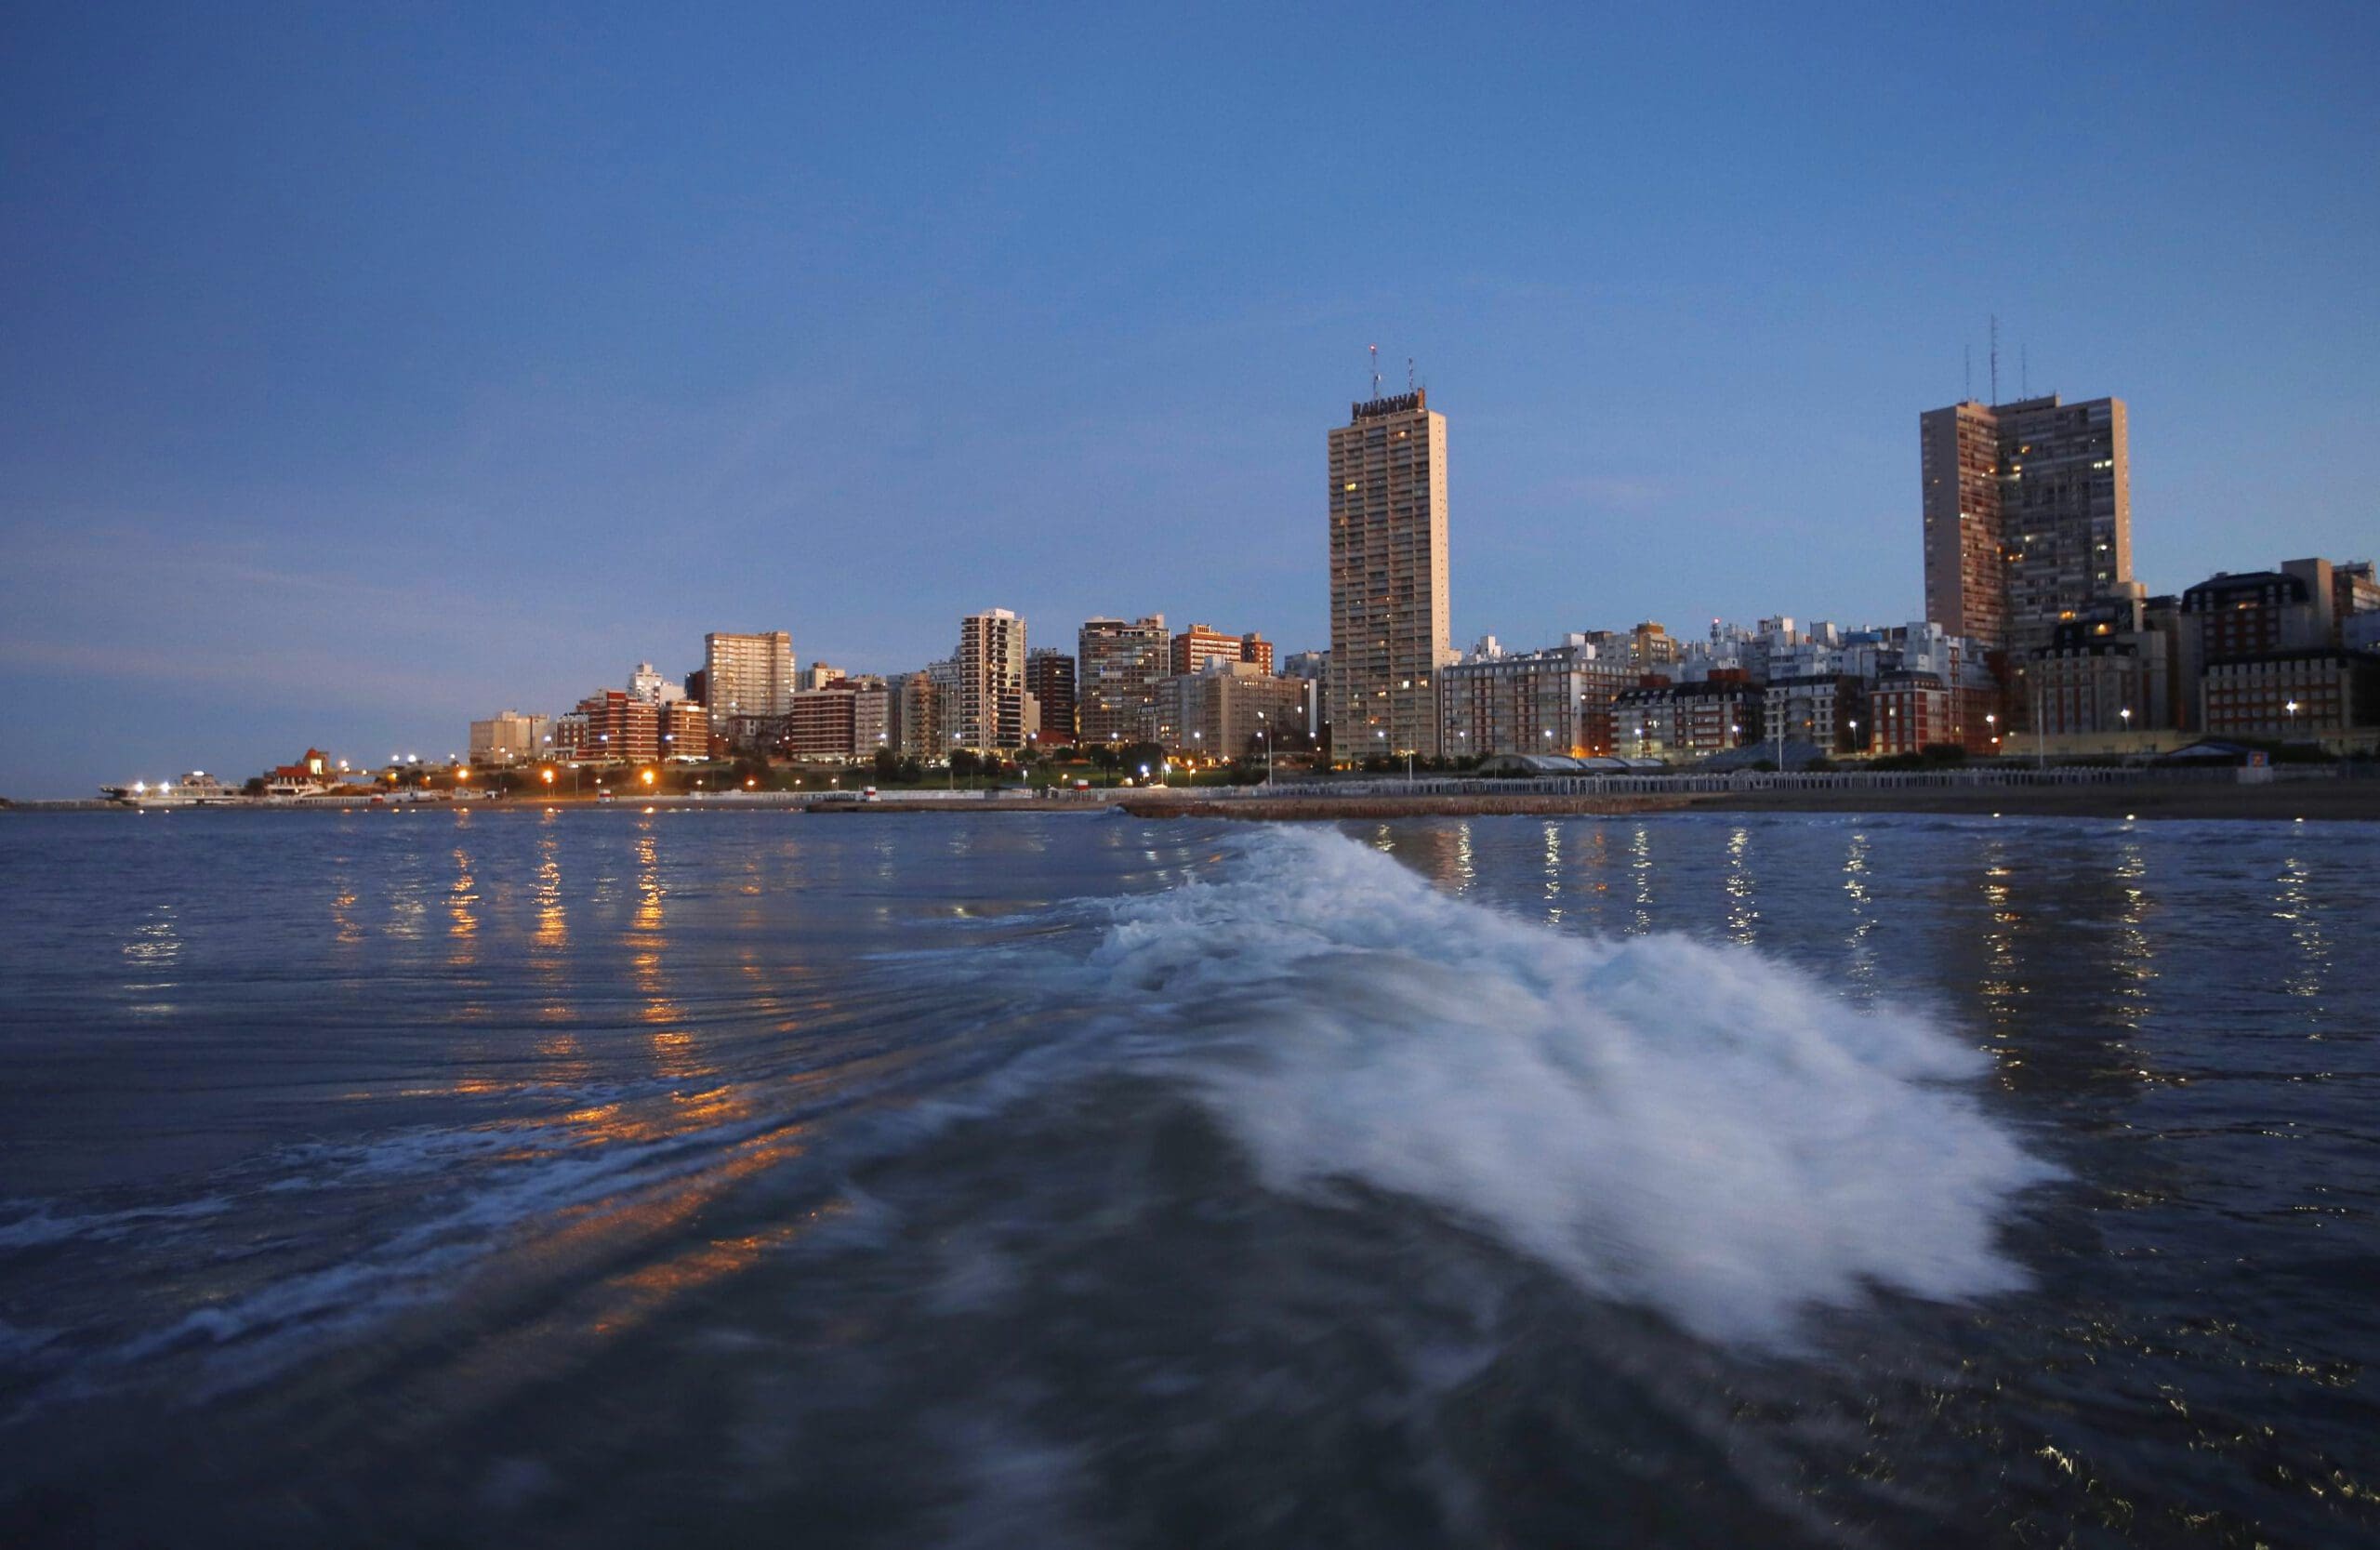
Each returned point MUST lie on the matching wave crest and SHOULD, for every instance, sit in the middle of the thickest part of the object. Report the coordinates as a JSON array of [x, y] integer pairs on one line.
[[1698, 1129]]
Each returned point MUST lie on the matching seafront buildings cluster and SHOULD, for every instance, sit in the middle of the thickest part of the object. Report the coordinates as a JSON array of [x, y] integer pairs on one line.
[[2035, 640]]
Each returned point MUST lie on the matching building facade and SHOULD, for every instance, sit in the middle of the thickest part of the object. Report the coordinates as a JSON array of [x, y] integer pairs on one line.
[[1824, 710], [746, 677], [1050, 679], [685, 730], [649, 684], [1683, 721], [1232, 710], [509, 737], [1202, 644], [991, 680], [2110, 670], [1557, 700], [2291, 696], [1117, 667], [1388, 577], [1315, 666], [1913, 713], [614, 727], [2028, 514], [846, 719]]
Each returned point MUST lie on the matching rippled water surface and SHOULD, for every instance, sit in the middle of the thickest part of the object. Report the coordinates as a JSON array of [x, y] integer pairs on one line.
[[612, 1177]]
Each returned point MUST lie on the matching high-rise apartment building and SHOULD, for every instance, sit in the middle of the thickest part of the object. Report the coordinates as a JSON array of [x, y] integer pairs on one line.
[[746, 677], [1050, 679], [1388, 577], [2027, 515], [1117, 667], [1966, 566], [991, 680]]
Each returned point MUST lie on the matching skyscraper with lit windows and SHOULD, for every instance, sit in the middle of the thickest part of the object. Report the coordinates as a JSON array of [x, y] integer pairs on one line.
[[1389, 631]]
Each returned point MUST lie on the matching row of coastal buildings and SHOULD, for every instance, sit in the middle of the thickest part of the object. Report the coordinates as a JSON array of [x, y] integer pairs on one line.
[[2036, 636], [1193, 693]]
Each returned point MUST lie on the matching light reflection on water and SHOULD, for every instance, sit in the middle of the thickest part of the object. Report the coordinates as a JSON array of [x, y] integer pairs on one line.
[[1742, 914], [1552, 831], [1860, 968], [593, 1055], [2309, 965], [1640, 874]]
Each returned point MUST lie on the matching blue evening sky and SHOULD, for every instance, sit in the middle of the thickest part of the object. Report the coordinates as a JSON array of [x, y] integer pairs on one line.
[[366, 369]]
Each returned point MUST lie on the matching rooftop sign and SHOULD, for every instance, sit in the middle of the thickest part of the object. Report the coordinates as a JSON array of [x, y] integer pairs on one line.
[[1400, 404]]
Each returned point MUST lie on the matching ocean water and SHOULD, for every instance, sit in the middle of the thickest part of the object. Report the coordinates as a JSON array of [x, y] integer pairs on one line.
[[692, 1177]]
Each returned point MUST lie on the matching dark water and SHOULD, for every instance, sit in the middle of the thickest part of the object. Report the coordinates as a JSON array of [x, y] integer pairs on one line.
[[624, 1178]]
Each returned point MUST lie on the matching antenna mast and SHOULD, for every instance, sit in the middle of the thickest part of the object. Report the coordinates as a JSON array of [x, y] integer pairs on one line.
[[1375, 371], [1995, 357], [1409, 374]]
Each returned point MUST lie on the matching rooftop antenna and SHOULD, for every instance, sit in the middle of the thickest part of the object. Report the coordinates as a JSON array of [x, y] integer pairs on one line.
[[1409, 374], [1375, 371], [1995, 357]]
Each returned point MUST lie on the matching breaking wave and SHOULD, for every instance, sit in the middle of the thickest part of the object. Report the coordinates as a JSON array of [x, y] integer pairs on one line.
[[1696, 1129]]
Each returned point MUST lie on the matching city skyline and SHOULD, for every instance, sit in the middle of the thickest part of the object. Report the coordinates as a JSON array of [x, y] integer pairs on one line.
[[457, 441]]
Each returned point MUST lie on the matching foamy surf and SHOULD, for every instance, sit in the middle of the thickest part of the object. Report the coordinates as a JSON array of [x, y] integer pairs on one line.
[[1696, 1129]]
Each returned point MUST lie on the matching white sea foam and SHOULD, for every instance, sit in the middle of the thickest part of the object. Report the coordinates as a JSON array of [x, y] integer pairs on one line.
[[39, 1227], [1697, 1129]]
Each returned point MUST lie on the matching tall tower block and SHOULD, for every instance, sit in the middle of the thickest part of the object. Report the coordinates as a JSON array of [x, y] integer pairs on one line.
[[1389, 633]]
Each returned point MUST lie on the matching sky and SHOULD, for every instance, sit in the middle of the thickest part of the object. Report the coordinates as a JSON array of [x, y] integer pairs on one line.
[[367, 369]]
